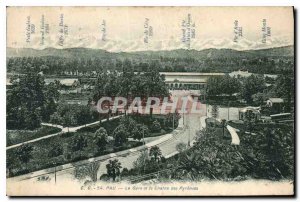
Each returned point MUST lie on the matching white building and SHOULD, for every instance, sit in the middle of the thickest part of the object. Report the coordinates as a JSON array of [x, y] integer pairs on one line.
[[188, 80]]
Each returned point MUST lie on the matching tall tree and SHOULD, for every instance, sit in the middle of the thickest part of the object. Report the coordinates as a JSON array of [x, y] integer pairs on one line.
[[120, 135], [252, 85], [100, 139], [113, 169], [29, 101], [284, 87], [155, 152]]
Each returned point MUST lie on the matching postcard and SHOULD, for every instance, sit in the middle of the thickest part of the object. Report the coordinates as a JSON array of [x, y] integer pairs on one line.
[[150, 101]]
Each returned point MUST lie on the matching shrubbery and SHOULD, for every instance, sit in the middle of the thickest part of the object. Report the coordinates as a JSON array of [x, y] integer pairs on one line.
[[155, 127], [73, 115], [267, 155]]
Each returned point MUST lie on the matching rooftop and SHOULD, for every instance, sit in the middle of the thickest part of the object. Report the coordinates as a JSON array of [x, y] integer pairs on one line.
[[276, 100], [191, 74]]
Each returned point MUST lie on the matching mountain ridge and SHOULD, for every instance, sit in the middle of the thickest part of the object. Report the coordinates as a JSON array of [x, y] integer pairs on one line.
[[283, 51]]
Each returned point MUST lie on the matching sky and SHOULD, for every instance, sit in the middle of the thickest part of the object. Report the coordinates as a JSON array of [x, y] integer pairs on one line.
[[125, 27]]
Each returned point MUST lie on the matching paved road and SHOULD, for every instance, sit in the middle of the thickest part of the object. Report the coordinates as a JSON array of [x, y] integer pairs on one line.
[[235, 140]]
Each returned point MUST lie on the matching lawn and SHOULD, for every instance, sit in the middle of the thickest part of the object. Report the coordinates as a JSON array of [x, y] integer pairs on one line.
[[42, 154], [19, 136]]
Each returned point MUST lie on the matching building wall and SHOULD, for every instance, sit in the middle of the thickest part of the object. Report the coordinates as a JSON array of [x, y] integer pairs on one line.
[[188, 80]]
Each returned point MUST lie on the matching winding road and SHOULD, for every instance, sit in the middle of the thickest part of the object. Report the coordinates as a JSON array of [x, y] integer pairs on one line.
[[185, 133]]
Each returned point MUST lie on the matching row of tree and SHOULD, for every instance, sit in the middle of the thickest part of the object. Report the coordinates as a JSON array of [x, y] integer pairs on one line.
[[252, 88], [61, 65]]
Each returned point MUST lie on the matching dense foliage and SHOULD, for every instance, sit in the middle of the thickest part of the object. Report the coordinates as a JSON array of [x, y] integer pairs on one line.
[[266, 155], [72, 115], [210, 60], [59, 150], [254, 89], [30, 101]]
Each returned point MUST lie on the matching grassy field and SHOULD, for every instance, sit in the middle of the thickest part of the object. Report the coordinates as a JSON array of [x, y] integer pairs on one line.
[[19, 136]]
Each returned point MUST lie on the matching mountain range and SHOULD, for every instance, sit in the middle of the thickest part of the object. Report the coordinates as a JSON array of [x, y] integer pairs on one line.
[[285, 51]]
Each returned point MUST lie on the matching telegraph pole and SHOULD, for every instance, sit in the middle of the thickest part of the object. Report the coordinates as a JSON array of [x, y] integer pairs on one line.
[[145, 150], [189, 134], [228, 109], [55, 174], [173, 121]]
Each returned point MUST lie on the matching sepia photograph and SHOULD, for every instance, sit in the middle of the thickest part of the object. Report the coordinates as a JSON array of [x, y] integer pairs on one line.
[[150, 101]]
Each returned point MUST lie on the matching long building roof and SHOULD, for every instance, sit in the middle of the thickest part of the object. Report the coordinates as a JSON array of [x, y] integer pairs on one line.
[[186, 80], [191, 74]]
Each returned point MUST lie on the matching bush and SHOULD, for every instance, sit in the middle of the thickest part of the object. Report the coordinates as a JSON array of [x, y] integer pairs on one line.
[[155, 127], [125, 172], [120, 135], [73, 115], [100, 139], [55, 150], [78, 143]]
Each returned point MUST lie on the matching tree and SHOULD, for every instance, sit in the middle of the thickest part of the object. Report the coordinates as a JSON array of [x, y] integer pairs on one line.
[[172, 120], [55, 118], [51, 97], [141, 162], [214, 86], [120, 135], [106, 84], [155, 153], [270, 156], [141, 131], [284, 88], [188, 167], [136, 134], [222, 85], [29, 101], [230, 85], [129, 123], [69, 119], [259, 98], [100, 138], [90, 170], [113, 169], [181, 147], [154, 83], [223, 122], [215, 111], [24, 153], [83, 114], [78, 143], [155, 127], [252, 85], [249, 120]]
